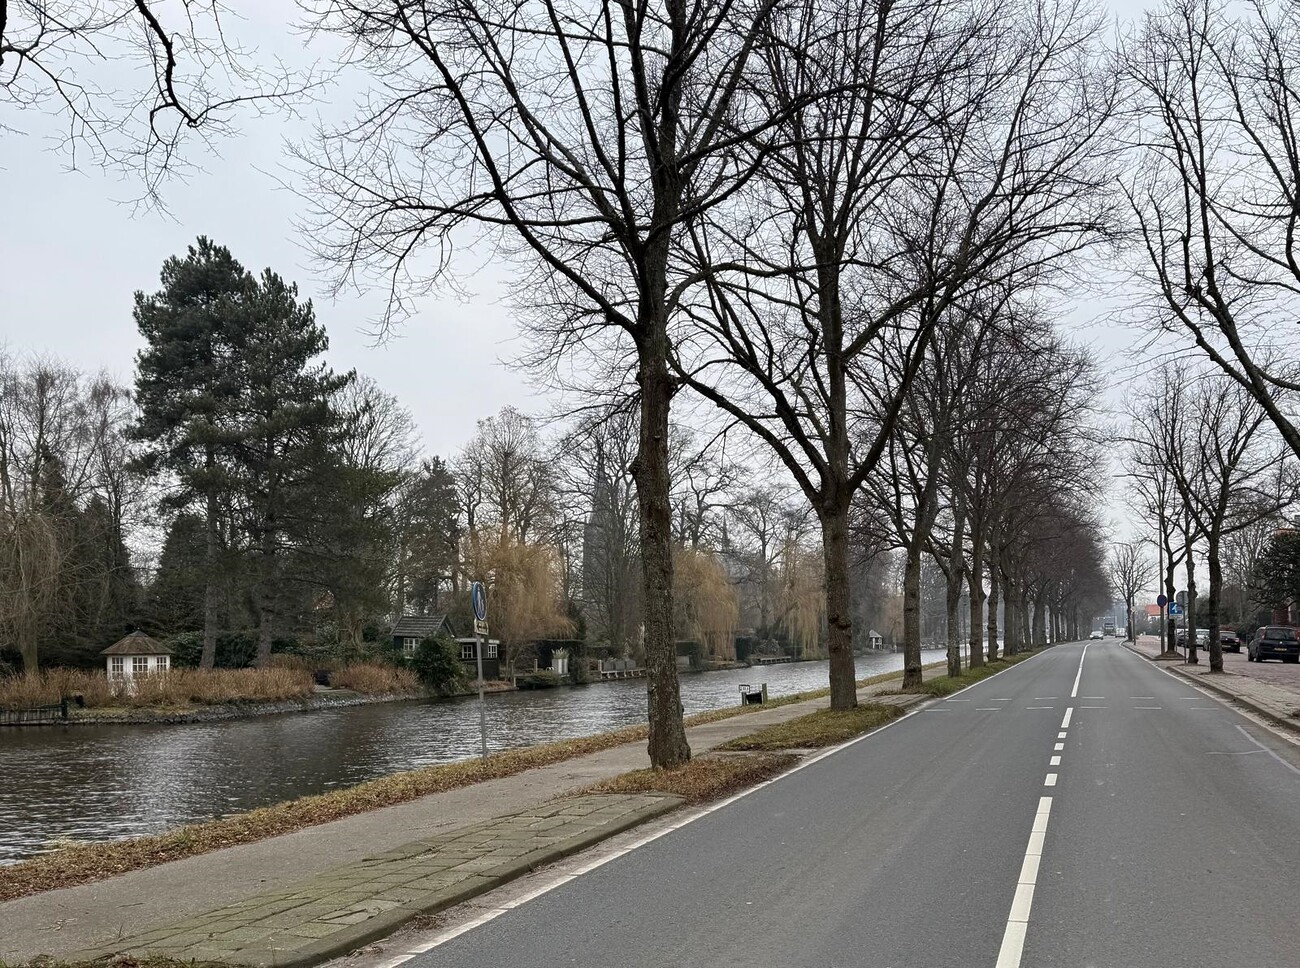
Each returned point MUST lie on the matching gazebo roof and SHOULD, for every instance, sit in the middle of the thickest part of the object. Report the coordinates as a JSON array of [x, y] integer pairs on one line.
[[873, 634], [137, 643]]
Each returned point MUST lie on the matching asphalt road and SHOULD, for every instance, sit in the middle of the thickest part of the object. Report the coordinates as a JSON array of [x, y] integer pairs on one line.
[[1165, 836]]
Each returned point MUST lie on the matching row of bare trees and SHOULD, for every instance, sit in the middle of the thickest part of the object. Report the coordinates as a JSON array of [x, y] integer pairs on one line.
[[771, 204], [1211, 474]]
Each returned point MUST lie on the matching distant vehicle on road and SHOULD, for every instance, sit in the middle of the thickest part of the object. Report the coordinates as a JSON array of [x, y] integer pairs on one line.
[[1274, 642], [1228, 639], [1096, 634], [1108, 627]]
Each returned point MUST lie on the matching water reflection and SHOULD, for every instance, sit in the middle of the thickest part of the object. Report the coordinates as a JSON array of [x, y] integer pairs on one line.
[[95, 783]]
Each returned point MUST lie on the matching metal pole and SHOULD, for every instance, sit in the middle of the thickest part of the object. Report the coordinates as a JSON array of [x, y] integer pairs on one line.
[[482, 704]]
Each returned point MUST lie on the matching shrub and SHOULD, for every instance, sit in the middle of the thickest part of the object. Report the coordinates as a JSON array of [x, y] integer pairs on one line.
[[437, 663], [541, 679], [375, 679]]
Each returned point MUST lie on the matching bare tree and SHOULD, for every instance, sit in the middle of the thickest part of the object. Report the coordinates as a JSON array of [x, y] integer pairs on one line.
[[595, 459], [957, 148], [1228, 473], [580, 138], [508, 477], [188, 76], [1214, 193], [1131, 573]]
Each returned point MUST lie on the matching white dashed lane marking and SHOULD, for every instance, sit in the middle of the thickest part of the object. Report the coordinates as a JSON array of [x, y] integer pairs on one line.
[[1013, 938]]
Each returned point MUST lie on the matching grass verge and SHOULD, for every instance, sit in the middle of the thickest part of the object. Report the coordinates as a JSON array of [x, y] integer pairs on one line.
[[947, 685], [826, 727], [705, 778], [85, 863]]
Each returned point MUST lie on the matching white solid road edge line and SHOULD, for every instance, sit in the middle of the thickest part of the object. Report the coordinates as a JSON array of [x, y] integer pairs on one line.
[[1013, 938], [558, 880]]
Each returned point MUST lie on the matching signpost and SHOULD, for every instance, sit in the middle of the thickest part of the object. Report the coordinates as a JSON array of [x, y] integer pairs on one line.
[[478, 603]]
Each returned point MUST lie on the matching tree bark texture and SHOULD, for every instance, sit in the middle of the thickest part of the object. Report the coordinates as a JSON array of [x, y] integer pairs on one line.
[[1212, 604], [912, 617], [976, 588], [667, 742], [995, 592], [835, 545]]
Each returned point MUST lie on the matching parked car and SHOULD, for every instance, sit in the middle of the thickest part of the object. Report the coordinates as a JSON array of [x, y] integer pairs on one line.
[[1228, 639], [1274, 642], [1202, 638], [1096, 634]]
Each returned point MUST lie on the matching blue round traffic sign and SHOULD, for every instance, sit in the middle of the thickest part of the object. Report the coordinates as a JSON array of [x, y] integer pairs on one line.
[[1162, 601], [478, 600]]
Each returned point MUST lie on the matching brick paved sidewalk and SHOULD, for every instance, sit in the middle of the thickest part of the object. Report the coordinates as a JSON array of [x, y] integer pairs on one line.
[[340, 910], [1274, 695]]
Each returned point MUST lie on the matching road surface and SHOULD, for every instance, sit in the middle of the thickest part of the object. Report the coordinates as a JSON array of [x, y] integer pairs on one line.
[[1082, 808]]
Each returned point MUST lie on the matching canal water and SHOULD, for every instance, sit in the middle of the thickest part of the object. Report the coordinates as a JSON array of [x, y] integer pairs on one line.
[[108, 782]]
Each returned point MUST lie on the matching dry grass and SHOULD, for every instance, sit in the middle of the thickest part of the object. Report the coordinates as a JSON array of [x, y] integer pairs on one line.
[[374, 679], [706, 778], [826, 727], [179, 687]]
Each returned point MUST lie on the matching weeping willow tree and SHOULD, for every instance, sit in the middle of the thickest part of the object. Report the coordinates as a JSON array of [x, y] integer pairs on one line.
[[705, 601], [802, 597], [31, 566], [524, 591]]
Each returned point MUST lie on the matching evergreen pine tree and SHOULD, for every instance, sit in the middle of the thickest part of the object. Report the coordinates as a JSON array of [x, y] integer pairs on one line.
[[284, 421], [186, 390]]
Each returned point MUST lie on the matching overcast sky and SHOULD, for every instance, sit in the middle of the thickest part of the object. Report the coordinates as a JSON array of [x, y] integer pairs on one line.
[[73, 251]]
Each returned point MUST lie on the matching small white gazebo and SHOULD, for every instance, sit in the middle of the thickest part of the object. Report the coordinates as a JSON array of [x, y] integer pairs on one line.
[[875, 640], [136, 655]]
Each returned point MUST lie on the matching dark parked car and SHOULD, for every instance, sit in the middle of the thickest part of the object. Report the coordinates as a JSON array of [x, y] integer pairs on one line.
[[1274, 642], [1228, 640]]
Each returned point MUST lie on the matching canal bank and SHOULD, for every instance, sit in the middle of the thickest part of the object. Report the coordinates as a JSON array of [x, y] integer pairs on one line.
[[67, 922], [111, 782]]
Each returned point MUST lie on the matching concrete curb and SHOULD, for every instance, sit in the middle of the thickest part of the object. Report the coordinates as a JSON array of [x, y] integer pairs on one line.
[[1286, 722], [349, 938]]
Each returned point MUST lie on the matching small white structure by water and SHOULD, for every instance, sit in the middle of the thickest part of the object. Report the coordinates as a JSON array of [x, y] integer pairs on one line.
[[136, 655], [875, 640]]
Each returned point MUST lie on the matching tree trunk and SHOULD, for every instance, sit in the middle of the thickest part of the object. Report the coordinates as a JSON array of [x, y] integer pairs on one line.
[[952, 590], [265, 612], [994, 594], [1212, 604], [1040, 626], [1011, 614], [208, 657], [835, 552], [1191, 609], [1167, 630], [975, 584], [667, 743], [912, 616]]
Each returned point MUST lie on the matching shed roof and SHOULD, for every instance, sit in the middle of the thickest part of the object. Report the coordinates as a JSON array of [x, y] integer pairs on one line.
[[873, 634], [137, 643], [421, 626]]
